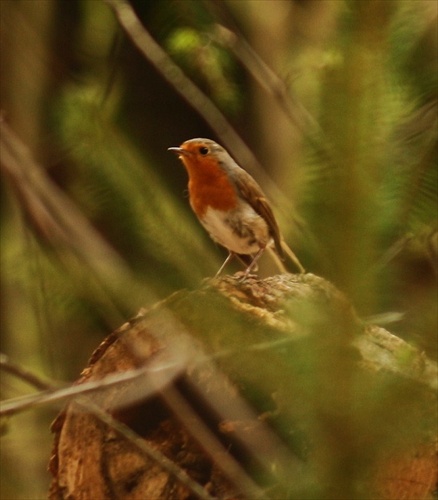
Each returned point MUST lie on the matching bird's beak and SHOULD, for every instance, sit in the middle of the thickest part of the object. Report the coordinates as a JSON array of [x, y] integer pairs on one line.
[[179, 151]]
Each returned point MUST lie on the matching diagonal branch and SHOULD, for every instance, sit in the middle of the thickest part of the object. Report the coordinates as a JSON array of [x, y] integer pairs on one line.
[[60, 221], [173, 74]]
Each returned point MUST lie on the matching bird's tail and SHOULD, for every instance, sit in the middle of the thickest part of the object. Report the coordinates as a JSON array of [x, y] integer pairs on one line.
[[289, 252]]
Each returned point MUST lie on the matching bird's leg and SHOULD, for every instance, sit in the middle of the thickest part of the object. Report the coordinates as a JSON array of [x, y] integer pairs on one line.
[[253, 263], [246, 260], [230, 256]]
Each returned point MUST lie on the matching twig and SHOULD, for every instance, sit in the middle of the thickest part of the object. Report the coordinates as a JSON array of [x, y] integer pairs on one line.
[[261, 443], [150, 452], [60, 221], [199, 430], [23, 374], [275, 86], [228, 34], [190, 92], [148, 381], [53, 394], [266, 77]]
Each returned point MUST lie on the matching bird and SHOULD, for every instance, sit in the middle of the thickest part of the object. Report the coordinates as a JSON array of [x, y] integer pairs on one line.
[[230, 204]]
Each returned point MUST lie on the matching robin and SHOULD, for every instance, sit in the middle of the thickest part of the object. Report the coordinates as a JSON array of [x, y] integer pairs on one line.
[[230, 204]]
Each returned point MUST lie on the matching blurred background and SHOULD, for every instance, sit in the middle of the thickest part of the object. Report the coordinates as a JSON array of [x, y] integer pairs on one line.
[[331, 105]]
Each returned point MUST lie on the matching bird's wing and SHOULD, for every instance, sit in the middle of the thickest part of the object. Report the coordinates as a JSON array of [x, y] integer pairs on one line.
[[253, 194]]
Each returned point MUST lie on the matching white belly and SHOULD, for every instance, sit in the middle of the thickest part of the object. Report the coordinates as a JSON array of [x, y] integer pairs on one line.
[[245, 234]]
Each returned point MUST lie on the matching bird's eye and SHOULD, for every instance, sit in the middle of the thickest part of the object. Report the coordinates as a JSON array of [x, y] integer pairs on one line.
[[203, 150]]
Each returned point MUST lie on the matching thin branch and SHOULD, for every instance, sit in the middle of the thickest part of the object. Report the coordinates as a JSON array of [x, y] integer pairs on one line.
[[268, 80], [60, 221], [293, 108], [57, 215], [203, 435], [261, 442], [23, 374], [229, 35], [173, 74], [148, 380], [53, 394], [154, 454]]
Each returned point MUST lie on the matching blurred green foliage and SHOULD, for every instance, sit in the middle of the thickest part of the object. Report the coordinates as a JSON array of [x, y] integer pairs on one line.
[[99, 118], [209, 64]]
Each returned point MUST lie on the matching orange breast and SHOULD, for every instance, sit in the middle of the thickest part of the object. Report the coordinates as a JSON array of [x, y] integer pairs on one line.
[[209, 186]]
